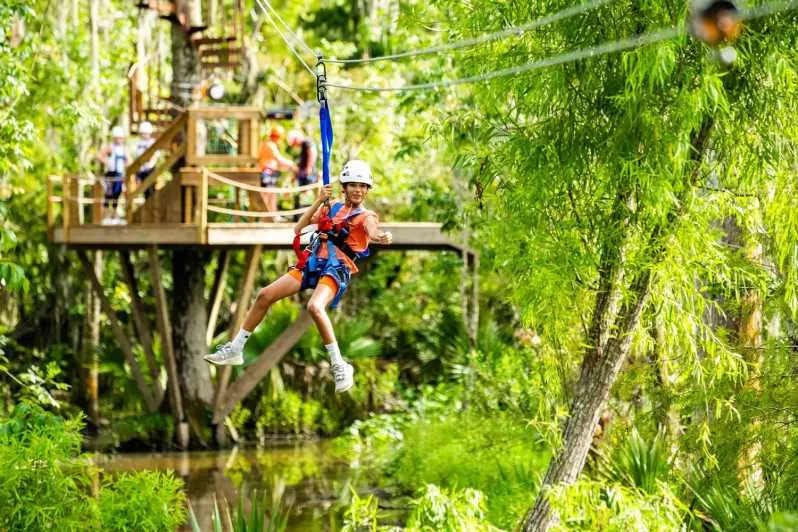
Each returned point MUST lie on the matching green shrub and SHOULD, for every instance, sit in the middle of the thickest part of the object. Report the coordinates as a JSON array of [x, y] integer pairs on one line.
[[449, 511], [288, 413], [46, 484], [493, 454], [143, 501], [590, 505], [41, 482], [638, 463]]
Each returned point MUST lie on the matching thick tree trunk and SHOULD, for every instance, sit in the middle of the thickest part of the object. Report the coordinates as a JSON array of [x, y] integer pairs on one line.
[[189, 308], [189, 321]]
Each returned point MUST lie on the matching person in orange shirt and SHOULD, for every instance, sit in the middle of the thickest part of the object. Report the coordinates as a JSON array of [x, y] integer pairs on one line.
[[345, 230], [270, 162]]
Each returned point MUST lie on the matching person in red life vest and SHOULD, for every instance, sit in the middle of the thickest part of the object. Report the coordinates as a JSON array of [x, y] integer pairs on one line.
[[344, 230]]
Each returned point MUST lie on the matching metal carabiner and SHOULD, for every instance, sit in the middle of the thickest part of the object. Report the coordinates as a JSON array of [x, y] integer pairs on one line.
[[321, 79]]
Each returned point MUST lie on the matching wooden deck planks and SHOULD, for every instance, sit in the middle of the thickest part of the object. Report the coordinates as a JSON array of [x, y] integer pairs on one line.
[[406, 235]]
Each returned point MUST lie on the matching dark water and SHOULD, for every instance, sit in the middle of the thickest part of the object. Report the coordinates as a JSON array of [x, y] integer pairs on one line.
[[311, 484]]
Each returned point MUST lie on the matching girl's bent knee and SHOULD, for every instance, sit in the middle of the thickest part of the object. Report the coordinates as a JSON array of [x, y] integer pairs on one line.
[[315, 308], [265, 296]]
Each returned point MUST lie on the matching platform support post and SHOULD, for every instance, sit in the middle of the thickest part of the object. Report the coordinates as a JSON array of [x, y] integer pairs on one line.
[[165, 331], [142, 326], [119, 332], [244, 295], [217, 293]]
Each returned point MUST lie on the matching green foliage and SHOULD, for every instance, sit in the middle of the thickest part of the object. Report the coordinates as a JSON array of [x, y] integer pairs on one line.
[[449, 510], [45, 482], [287, 413], [490, 453], [41, 484], [259, 518], [588, 505], [146, 501], [361, 514], [638, 463]]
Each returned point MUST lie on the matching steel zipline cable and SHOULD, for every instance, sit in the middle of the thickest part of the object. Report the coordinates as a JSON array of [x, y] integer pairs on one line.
[[282, 35], [629, 43], [584, 53], [288, 28], [466, 43]]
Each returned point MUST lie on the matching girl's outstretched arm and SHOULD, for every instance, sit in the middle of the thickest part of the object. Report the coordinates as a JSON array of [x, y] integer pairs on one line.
[[304, 221], [376, 234]]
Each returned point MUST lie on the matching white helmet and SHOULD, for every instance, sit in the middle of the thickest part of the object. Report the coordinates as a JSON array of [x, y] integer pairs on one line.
[[117, 132], [145, 128], [356, 171]]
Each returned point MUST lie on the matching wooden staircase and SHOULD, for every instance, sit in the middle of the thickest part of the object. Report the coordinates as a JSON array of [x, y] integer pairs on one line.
[[214, 27]]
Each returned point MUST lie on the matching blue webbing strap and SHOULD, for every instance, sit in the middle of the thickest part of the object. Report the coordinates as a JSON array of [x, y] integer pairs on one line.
[[325, 124]]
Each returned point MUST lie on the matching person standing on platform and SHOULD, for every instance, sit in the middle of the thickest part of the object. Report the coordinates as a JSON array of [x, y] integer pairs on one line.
[[145, 141], [270, 162], [114, 158], [306, 163]]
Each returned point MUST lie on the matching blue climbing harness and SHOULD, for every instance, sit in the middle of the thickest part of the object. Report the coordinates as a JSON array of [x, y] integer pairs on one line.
[[334, 235]]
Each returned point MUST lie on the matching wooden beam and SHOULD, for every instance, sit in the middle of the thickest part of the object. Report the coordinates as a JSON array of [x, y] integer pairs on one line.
[[165, 331], [202, 208], [225, 111], [121, 336], [142, 326], [256, 371], [217, 293], [161, 143], [152, 179], [244, 295], [226, 160]]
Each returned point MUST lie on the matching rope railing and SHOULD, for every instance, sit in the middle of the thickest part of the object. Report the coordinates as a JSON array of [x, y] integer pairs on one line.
[[255, 214], [267, 190]]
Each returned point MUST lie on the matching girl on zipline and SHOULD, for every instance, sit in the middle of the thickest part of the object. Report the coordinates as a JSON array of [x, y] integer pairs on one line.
[[343, 234]]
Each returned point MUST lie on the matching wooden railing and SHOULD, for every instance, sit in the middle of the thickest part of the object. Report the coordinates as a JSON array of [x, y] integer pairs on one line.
[[169, 143], [68, 193], [206, 204]]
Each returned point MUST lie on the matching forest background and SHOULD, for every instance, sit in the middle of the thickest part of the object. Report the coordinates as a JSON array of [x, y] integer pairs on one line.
[[637, 220]]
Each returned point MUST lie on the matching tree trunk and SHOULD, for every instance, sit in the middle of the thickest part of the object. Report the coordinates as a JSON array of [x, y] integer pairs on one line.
[[189, 321], [90, 348], [188, 309], [599, 371], [610, 338]]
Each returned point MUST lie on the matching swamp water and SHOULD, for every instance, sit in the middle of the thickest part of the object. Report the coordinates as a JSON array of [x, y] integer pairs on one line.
[[311, 485]]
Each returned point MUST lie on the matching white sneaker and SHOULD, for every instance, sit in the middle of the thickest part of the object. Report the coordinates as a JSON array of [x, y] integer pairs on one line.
[[343, 376], [226, 355]]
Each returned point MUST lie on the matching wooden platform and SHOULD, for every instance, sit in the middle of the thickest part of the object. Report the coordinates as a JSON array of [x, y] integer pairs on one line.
[[406, 236]]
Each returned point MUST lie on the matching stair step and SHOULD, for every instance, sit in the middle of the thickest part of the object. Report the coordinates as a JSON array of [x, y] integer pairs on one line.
[[219, 52], [226, 64], [160, 111], [204, 41]]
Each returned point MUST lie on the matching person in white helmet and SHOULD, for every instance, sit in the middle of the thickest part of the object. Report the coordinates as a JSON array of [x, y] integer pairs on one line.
[[145, 141], [343, 235], [114, 158]]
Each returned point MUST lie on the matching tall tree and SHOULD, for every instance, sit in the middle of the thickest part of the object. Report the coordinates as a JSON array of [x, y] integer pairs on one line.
[[188, 309], [592, 184]]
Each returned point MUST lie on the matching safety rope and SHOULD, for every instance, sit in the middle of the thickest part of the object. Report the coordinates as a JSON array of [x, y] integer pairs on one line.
[[267, 190], [325, 120]]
